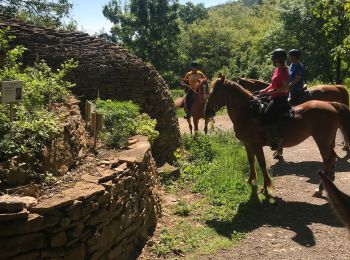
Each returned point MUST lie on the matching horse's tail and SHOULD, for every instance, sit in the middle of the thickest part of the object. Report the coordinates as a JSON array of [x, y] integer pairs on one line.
[[180, 102], [344, 113], [344, 94]]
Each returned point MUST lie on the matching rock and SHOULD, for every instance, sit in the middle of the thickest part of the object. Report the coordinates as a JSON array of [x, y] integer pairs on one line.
[[12, 246], [52, 252], [77, 252], [10, 204], [58, 239], [33, 224], [64, 222], [31, 190], [14, 216], [89, 178], [81, 191], [63, 170], [168, 172], [29, 202]]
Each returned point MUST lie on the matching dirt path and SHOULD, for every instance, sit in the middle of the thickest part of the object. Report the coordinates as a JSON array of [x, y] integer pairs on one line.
[[298, 226]]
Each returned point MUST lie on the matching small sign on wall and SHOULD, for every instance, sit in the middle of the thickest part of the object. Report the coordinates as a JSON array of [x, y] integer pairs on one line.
[[11, 91]]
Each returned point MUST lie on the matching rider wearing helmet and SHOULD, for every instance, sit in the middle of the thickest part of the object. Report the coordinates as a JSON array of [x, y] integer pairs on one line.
[[190, 79], [278, 92], [296, 83]]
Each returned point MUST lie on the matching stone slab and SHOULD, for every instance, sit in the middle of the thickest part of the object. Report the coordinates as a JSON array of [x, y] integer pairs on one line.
[[81, 191]]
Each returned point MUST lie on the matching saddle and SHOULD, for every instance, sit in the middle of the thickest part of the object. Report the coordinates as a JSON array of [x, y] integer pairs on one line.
[[259, 105]]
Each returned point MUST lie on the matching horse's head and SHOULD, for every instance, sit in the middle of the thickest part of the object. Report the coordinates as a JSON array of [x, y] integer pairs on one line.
[[339, 200], [202, 87], [216, 98]]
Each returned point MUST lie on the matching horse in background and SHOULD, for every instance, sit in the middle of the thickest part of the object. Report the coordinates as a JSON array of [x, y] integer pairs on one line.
[[200, 97], [339, 200], [330, 93], [308, 120]]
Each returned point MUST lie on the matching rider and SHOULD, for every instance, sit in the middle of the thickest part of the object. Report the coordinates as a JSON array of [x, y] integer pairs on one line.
[[295, 71], [190, 79], [278, 91]]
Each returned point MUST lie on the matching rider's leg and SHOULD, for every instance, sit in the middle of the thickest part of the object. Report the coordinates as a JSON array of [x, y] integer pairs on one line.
[[270, 120]]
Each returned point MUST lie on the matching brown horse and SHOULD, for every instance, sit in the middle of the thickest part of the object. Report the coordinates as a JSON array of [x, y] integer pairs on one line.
[[339, 200], [314, 118], [200, 97], [331, 93]]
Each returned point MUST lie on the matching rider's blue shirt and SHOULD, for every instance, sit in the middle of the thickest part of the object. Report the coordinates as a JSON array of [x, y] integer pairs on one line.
[[294, 70]]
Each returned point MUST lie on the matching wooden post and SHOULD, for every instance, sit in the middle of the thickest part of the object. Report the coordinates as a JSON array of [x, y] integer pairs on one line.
[[93, 127], [87, 110]]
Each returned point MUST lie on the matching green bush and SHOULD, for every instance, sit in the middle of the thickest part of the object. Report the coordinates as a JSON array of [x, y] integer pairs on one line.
[[36, 123], [122, 120]]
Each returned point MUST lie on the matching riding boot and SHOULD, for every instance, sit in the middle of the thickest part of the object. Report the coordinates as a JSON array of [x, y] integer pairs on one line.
[[276, 140]]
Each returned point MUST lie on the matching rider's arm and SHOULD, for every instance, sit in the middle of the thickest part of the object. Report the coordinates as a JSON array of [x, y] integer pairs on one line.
[[297, 71], [268, 89], [295, 80]]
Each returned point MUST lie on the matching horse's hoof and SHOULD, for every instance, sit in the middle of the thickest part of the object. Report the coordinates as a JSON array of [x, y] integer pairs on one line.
[[278, 157], [317, 194]]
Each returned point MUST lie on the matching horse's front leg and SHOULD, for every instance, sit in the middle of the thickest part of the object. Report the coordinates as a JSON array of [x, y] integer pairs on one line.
[[189, 124], [251, 161], [259, 152], [195, 122]]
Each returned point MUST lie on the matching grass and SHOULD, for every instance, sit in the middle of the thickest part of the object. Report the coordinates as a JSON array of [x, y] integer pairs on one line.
[[212, 210]]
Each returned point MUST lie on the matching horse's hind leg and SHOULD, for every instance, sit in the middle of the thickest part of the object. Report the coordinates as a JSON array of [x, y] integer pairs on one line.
[[206, 126], [346, 145], [329, 159], [278, 154]]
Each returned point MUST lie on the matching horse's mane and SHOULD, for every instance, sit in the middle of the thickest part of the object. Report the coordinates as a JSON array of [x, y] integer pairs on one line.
[[234, 85]]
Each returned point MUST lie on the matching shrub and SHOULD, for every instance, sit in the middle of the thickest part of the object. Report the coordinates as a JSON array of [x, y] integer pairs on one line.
[[35, 124], [122, 120]]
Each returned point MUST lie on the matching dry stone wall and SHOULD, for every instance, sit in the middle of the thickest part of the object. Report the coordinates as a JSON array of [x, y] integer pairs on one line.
[[105, 216], [105, 68]]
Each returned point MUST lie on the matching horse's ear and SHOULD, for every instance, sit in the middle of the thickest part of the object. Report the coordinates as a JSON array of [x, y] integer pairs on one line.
[[220, 75], [223, 78]]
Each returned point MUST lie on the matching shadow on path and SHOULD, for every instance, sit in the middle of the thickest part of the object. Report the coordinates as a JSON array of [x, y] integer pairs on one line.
[[295, 216], [308, 169]]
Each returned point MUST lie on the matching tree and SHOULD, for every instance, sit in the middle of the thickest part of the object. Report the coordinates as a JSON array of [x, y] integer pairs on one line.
[[40, 12], [335, 21], [190, 13], [149, 28]]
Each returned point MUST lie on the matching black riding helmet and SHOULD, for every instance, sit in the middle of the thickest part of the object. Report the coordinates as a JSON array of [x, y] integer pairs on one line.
[[194, 64], [279, 54], [294, 53]]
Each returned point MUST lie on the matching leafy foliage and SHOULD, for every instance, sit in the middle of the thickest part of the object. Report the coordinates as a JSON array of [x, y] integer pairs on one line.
[[35, 124], [122, 120], [150, 29], [189, 12], [40, 12]]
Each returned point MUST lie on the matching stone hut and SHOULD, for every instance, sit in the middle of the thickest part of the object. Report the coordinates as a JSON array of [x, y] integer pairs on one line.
[[107, 69]]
